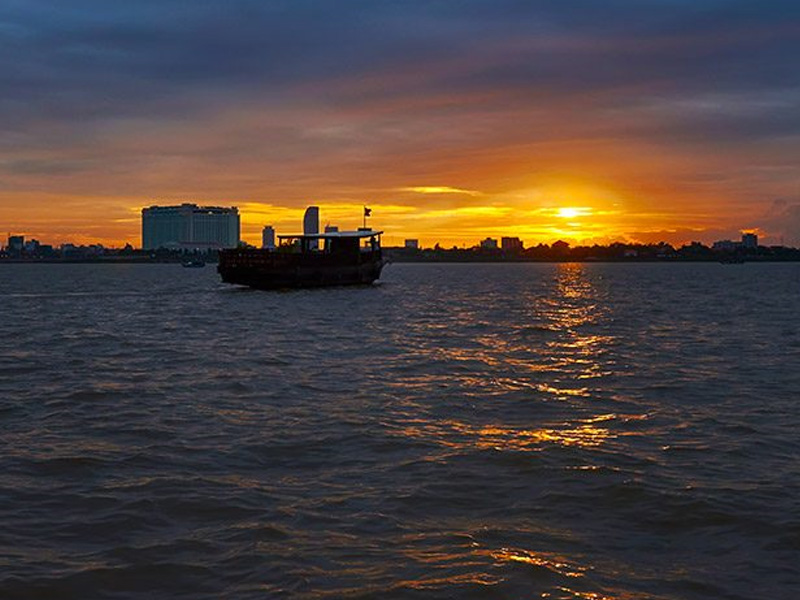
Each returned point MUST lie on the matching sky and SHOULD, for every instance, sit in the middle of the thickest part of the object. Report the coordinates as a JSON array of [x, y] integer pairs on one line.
[[581, 120]]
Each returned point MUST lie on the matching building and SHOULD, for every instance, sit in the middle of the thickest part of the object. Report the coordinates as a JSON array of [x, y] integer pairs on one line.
[[16, 243], [511, 244], [725, 246], [749, 241], [190, 227], [411, 245], [268, 237], [489, 244], [311, 224], [331, 229], [560, 248]]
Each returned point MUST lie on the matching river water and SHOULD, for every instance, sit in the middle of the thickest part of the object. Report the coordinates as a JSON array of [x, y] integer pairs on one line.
[[596, 431]]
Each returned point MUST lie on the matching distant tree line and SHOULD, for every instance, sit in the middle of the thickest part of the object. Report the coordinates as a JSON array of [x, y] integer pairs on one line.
[[617, 252], [32, 251]]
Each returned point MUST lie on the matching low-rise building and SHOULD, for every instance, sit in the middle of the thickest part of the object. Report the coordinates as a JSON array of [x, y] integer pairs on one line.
[[749, 241], [511, 244], [725, 246]]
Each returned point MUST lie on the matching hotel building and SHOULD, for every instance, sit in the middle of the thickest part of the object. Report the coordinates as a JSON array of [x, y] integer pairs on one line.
[[190, 227]]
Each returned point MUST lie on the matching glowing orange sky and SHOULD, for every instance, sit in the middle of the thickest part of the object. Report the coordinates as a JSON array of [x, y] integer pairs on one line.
[[660, 124], [597, 192]]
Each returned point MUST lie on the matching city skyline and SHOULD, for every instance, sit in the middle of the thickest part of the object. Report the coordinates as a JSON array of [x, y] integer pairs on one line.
[[398, 239], [217, 228], [545, 121]]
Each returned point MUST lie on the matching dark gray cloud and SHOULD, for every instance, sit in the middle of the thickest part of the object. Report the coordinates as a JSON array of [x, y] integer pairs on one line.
[[718, 73], [782, 222], [105, 58]]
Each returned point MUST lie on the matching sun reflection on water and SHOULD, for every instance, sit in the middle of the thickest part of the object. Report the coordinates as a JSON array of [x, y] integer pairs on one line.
[[551, 346], [575, 301], [429, 583], [557, 564], [570, 593], [455, 434], [553, 340]]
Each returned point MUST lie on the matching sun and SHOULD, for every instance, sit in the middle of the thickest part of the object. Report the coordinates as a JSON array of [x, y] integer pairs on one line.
[[572, 212]]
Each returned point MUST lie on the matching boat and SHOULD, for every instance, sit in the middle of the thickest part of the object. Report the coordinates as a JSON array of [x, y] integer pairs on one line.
[[193, 263], [306, 260], [732, 259]]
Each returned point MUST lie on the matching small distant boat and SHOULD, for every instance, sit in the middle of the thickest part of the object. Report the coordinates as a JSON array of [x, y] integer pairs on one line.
[[732, 260], [307, 260], [193, 263]]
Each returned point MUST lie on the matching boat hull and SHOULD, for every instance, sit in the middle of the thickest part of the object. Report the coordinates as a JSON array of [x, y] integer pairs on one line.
[[269, 270]]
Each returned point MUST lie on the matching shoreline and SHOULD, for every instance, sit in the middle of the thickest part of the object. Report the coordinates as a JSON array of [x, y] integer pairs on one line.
[[403, 260]]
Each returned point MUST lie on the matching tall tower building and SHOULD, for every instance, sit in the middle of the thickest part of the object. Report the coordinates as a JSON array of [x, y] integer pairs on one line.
[[268, 237], [311, 224]]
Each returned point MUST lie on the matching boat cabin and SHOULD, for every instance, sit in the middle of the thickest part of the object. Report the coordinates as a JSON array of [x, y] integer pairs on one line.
[[334, 242]]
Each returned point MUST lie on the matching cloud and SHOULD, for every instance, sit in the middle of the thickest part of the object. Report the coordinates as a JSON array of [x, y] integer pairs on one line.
[[439, 189], [781, 223]]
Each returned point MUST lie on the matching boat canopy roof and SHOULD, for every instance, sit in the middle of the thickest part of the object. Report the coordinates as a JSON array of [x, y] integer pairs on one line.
[[332, 235]]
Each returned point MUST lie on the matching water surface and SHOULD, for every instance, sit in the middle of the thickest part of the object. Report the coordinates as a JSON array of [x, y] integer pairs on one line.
[[456, 431]]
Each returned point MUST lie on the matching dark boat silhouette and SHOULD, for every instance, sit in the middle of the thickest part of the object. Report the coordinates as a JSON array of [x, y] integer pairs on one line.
[[733, 259], [307, 260], [193, 263]]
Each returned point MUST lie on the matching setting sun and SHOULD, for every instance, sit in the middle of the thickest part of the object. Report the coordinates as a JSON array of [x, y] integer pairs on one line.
[[572, 212]]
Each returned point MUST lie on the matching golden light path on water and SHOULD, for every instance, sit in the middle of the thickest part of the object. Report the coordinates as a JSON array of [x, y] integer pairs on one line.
[[561, 370]]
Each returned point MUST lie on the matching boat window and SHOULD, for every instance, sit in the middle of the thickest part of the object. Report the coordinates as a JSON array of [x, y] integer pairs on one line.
[[370, 244]]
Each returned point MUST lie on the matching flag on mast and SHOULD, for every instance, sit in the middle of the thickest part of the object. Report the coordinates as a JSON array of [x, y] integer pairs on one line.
[[367, 211]]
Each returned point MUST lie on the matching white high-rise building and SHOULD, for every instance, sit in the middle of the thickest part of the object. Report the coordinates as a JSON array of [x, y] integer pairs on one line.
[[190, 227], [268, 237], [311, 224]]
